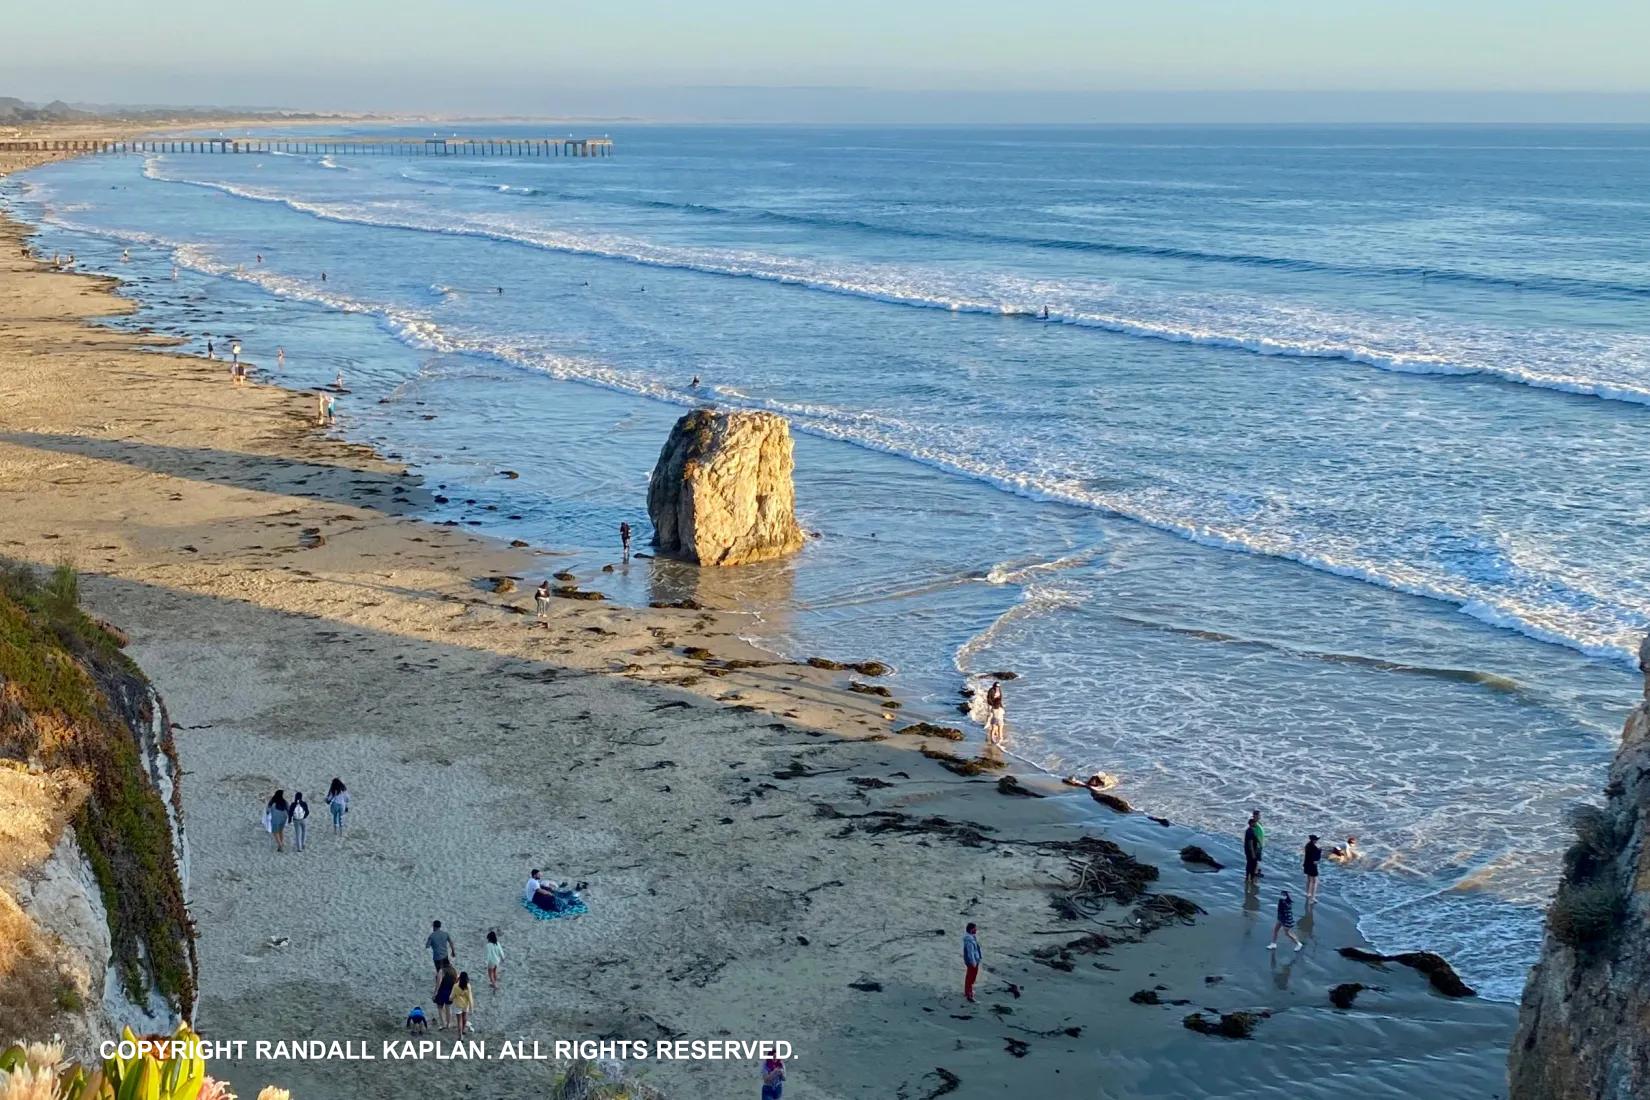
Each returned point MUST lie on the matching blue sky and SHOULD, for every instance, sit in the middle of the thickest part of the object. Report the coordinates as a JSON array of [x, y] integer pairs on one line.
[[850, 58]]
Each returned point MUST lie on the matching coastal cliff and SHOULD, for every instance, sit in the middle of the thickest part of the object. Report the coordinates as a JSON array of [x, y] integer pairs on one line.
[[1584, 1029], [721, 493], [94, 933]]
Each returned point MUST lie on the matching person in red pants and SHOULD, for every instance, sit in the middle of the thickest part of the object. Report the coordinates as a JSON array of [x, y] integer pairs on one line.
[[971, 959]]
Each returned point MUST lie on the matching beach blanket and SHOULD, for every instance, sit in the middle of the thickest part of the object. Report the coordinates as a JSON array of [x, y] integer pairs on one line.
[[573, 906]]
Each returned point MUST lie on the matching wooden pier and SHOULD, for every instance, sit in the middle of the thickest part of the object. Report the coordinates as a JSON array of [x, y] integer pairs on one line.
[[327, 146]]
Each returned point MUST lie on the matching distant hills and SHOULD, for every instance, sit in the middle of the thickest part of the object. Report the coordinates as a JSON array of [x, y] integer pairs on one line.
[[14, 110]]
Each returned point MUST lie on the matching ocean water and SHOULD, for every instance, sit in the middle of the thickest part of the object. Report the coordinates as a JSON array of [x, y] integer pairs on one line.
[[1320, 489]]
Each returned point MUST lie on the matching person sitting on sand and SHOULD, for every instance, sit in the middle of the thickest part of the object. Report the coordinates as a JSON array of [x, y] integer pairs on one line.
[[417, 1022], [994, 722], [1346, 854], [549, 896]]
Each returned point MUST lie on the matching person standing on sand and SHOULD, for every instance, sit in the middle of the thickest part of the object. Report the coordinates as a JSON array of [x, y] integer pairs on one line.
[[210, 352], [773, 1078], [624, 540], [1254, 846], [338, 802], [971, 959], [1309, 863], [275, 812], [298, 812], [440, 945], [495, 959], [541, 603], [446, 979], [1285, 922], [464, 1001], [995, 730]]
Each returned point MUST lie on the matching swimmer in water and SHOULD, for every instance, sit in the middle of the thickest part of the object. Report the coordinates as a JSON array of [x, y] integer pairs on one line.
[[280, 356], [693, 385], [125, 256]]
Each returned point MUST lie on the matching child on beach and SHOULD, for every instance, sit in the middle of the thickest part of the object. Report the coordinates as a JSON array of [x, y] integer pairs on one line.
[[338, 802], [298, 813], [994, 731], [464, 1001], [1285, 922], [541, 600], [1347, 854], [971, 959], [773, 1078], [495, 959], [417, 1022]]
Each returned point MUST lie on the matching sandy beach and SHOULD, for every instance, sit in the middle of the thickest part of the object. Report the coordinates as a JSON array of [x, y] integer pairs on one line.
[[767, 857]]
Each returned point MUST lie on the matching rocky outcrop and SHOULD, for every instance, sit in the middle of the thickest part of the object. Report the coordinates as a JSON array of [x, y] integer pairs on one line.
[[721, 493], [93, 859], [1584, 1029]]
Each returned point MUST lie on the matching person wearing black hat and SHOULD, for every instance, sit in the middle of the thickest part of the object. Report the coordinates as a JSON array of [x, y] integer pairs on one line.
[[1313, 856]]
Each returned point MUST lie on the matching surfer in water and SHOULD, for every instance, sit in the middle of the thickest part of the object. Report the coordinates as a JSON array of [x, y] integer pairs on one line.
[[1045, 313], [693, 385]]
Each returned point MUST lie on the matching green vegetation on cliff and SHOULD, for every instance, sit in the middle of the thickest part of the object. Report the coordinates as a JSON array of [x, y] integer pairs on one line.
[[74, 705]]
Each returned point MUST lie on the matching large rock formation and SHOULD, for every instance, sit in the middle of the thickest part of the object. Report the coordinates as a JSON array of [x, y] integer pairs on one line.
[[721, 493], [93, 861], [1584, 1030]]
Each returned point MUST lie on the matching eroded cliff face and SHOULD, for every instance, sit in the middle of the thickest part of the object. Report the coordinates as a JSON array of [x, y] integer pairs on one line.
[[721, 493], [1584, 1029], [94, 932]]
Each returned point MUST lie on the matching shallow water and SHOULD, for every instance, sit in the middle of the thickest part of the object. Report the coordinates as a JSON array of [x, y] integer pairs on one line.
[[1314, 492]]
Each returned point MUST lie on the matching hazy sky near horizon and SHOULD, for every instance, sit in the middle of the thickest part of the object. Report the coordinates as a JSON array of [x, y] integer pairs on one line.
[[853, 58]]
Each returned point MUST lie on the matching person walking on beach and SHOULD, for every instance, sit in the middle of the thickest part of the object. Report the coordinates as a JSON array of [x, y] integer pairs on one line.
[[773, 1078], [440, 945], [995, 732], [446, 979], [971, 959], [1285, 922], [338, 803], [624, 540], [541, 604], [464, 1001], [211, 353], [1310, 859], [275, 814], [298, 813], [495, 959], [1254, 845]]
